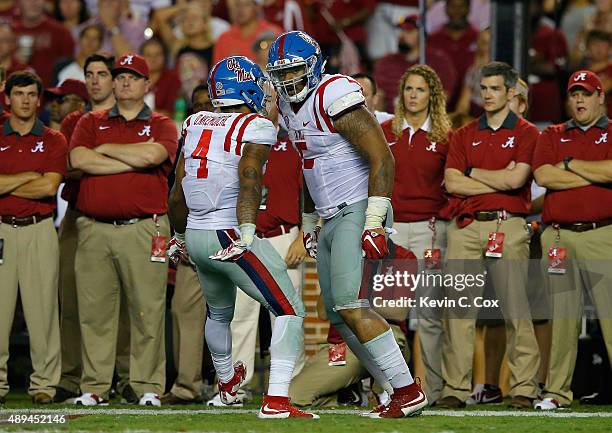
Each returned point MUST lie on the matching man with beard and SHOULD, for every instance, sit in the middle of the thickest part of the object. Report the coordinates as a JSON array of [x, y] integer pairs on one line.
[[389, 69]]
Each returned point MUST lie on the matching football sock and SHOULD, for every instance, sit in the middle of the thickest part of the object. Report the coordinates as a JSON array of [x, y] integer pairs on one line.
[[388, 357], [363, 355], [287, 338], [219, 341]]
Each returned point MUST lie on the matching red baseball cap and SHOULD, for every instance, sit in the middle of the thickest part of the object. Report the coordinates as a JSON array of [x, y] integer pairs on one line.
[[70, 86], [586, 79], [410, 22], [133, 63]]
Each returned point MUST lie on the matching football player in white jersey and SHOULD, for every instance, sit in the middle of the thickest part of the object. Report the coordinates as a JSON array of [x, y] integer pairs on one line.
[[348, 169], [214, 204]]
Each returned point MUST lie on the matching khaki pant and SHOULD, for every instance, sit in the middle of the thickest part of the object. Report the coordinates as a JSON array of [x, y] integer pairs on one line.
[[589, 270], [110, 260], [508, 276], [188, 316], [246, 314], [417, 237], [70, 331], [31, 266], [318, 383]]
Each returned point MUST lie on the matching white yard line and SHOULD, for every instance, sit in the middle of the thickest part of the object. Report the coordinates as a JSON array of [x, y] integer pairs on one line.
[[5, 412]]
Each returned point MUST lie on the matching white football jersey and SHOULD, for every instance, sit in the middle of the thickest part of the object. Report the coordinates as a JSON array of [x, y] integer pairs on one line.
[[212, 149], [336, 175]]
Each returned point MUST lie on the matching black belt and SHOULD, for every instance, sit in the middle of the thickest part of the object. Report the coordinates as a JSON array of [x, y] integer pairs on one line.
[[24, 221], [125, 222], [493, 215], [586, 226]]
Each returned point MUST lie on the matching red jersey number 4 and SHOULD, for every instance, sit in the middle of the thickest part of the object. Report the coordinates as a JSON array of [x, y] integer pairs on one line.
[[201, 151]]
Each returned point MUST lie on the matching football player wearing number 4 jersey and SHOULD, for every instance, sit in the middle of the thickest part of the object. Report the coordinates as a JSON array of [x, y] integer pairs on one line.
[[349, 170], [214, 205]]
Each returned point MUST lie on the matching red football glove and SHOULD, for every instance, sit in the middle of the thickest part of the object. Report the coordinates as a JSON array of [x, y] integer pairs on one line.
[[374, 245], [311, 240]]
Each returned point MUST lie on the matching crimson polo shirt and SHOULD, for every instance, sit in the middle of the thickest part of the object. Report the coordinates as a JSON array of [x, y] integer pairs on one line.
[[132, 194], [588, 203], [283, 181], [418, 193], [71, 188], [41, 150], [477, 145]]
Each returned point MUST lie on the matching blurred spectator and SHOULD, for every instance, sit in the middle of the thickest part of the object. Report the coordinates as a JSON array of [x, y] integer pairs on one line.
[[89, 42], [41, 40], [70, 96], [165, 84], [390, 69], [372, 97], [287, 14], [27, 202], [598, 60], [261, 46], [457, 39], [479, 17], [198, 28], [8, 11], [470, 100], [382, 26], [247, 25], [123, 31], [547, 60], [140, 9], [71, 13], [192, 70], [127, 152], [574, 19], [7, 50], [348, 17], [602, 18]]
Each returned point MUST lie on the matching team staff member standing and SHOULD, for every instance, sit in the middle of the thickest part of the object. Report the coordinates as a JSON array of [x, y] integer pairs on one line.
[[99, 84], [418, 136], [32, 164], [489, 168], [126, 154], [573, 160]]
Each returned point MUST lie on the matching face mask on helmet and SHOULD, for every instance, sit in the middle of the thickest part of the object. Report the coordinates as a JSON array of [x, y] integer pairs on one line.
[[237, 81], [295, 65]]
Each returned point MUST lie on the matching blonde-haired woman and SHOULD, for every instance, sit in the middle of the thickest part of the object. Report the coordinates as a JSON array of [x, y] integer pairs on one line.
[[418, 135]]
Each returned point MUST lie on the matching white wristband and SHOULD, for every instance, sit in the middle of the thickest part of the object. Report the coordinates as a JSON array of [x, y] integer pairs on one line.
[[309, 221], [247, 233], [376, 211]]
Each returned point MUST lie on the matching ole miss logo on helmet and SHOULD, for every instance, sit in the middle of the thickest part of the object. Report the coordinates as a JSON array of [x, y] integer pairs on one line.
[[242, 75]]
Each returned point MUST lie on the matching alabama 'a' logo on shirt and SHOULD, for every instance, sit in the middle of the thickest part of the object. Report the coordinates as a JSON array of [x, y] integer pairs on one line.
[[146, 130], [508, 143], [40, 147]]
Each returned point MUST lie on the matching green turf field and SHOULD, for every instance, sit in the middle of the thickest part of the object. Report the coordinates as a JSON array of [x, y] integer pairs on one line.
[[117, 417]]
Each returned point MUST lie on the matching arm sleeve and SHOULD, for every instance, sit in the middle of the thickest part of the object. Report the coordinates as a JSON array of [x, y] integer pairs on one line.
[[58, 157], [456, 152], [544, 151], [527, 145], [167, 136], [84, 133], [259, 130]]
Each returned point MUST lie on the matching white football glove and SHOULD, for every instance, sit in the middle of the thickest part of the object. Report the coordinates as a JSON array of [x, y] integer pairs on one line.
[[238, 247]]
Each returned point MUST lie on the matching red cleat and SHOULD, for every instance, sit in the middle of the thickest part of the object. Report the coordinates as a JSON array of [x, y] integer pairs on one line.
[[229, 390], [280, 407], [406, 401]]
